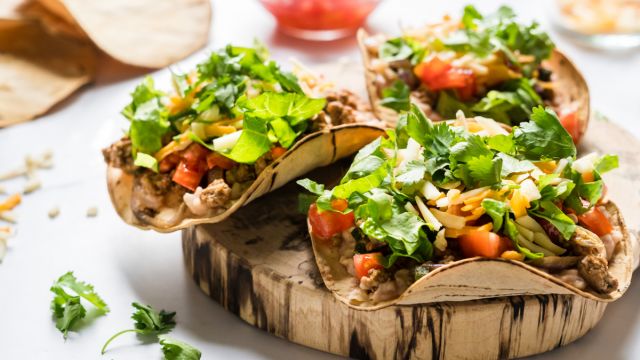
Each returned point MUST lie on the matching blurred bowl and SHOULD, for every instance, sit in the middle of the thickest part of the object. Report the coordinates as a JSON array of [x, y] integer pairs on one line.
[[320, 20]]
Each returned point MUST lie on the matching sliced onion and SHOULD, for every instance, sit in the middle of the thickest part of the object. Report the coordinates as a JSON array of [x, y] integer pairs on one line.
[[226, 142]]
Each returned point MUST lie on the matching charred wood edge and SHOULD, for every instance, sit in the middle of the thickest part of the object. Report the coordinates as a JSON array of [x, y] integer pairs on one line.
[[231, 284]]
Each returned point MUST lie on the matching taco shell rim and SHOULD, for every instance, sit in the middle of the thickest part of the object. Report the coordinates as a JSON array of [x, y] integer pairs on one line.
[[339, 141], [479, 278]]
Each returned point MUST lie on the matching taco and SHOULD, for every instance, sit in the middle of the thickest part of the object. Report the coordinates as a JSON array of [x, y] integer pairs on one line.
[[491, 66], [470, 209], [230, 131]]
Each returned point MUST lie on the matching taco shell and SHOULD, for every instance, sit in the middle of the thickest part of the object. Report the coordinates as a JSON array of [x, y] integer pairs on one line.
[[570, 88], [38, 70], [335, 143], [478, 278]]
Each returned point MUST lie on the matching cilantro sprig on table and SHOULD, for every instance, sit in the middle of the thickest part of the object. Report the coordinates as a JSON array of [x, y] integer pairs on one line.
[[378, 188], [173, 349], [147, 321], [67, 305]]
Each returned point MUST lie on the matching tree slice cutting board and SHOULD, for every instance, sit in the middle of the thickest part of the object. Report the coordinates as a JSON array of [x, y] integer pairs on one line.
[[259, 265]]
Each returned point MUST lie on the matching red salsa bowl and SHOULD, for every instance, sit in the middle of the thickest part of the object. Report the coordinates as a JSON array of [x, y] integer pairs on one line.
[[320, 19]]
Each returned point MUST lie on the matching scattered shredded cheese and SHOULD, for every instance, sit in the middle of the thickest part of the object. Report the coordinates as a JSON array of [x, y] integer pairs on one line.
[[54, 212], [92, 211]]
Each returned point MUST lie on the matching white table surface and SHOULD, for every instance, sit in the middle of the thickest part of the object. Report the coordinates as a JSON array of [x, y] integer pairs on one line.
[[126, 264]]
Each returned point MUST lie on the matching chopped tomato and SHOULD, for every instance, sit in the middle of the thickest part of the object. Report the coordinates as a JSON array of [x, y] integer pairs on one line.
[[440, 75], [277, 151], [365, 262], [570, 122], [192, 167], [325, 224], [596, 221], [169, 162], [195, 155], [221, 161], [483, 243], [187, 177]]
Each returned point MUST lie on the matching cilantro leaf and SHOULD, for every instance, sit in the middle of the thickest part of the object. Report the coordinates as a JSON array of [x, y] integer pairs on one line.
[[502, 143], [499, 31], [485, 170], [511, 104], [511, 165], [412, 173], [395, 49], [252, 143], [472, 147], [147, 321], [470, 15], [543, 137], [448, 105], [396, 96], [67, 308], [173, 349]]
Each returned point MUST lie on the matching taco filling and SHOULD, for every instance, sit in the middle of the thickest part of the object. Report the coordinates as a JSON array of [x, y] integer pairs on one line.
[[429, 195], [485, 65], [196, 149]]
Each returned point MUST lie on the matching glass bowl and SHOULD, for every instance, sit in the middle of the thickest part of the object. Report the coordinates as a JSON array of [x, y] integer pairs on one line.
[[321, 20]]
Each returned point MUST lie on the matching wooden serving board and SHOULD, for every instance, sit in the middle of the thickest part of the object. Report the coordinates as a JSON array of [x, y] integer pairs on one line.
[[259, 265]]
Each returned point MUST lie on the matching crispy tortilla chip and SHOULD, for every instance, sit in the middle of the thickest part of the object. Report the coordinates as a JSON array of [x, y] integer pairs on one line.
[[55, 24], [144, 33], [38, 70], [570, 88], [314, 150], [478, 278]]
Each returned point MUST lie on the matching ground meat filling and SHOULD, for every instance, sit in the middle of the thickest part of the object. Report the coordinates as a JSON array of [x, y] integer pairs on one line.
[[343, 107], [216, 195], [152, 191], [119, 155]]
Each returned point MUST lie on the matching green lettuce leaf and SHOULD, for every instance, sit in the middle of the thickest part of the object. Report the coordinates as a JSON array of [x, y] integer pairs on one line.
[[546, 209], [292, 107], [252, 143]]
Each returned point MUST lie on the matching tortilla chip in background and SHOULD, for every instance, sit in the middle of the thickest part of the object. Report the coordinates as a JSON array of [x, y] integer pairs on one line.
[[145, 33], [38, 70], [55, 22]]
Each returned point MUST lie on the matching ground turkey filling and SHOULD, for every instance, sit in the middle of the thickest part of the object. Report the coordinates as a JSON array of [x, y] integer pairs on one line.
[[219, 188]]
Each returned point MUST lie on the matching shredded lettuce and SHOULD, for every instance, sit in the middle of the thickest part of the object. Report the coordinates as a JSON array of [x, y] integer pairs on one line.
[[147, 161], [252, 143]]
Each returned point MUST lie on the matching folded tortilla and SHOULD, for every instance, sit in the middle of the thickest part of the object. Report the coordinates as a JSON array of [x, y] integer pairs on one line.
[[570, 88], [317, 149], [479, 278]]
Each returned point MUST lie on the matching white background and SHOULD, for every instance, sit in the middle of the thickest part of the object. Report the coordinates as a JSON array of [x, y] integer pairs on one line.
[[126, 264]]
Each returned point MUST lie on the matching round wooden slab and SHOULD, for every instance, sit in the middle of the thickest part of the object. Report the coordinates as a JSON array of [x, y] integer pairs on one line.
[[259, 265]]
